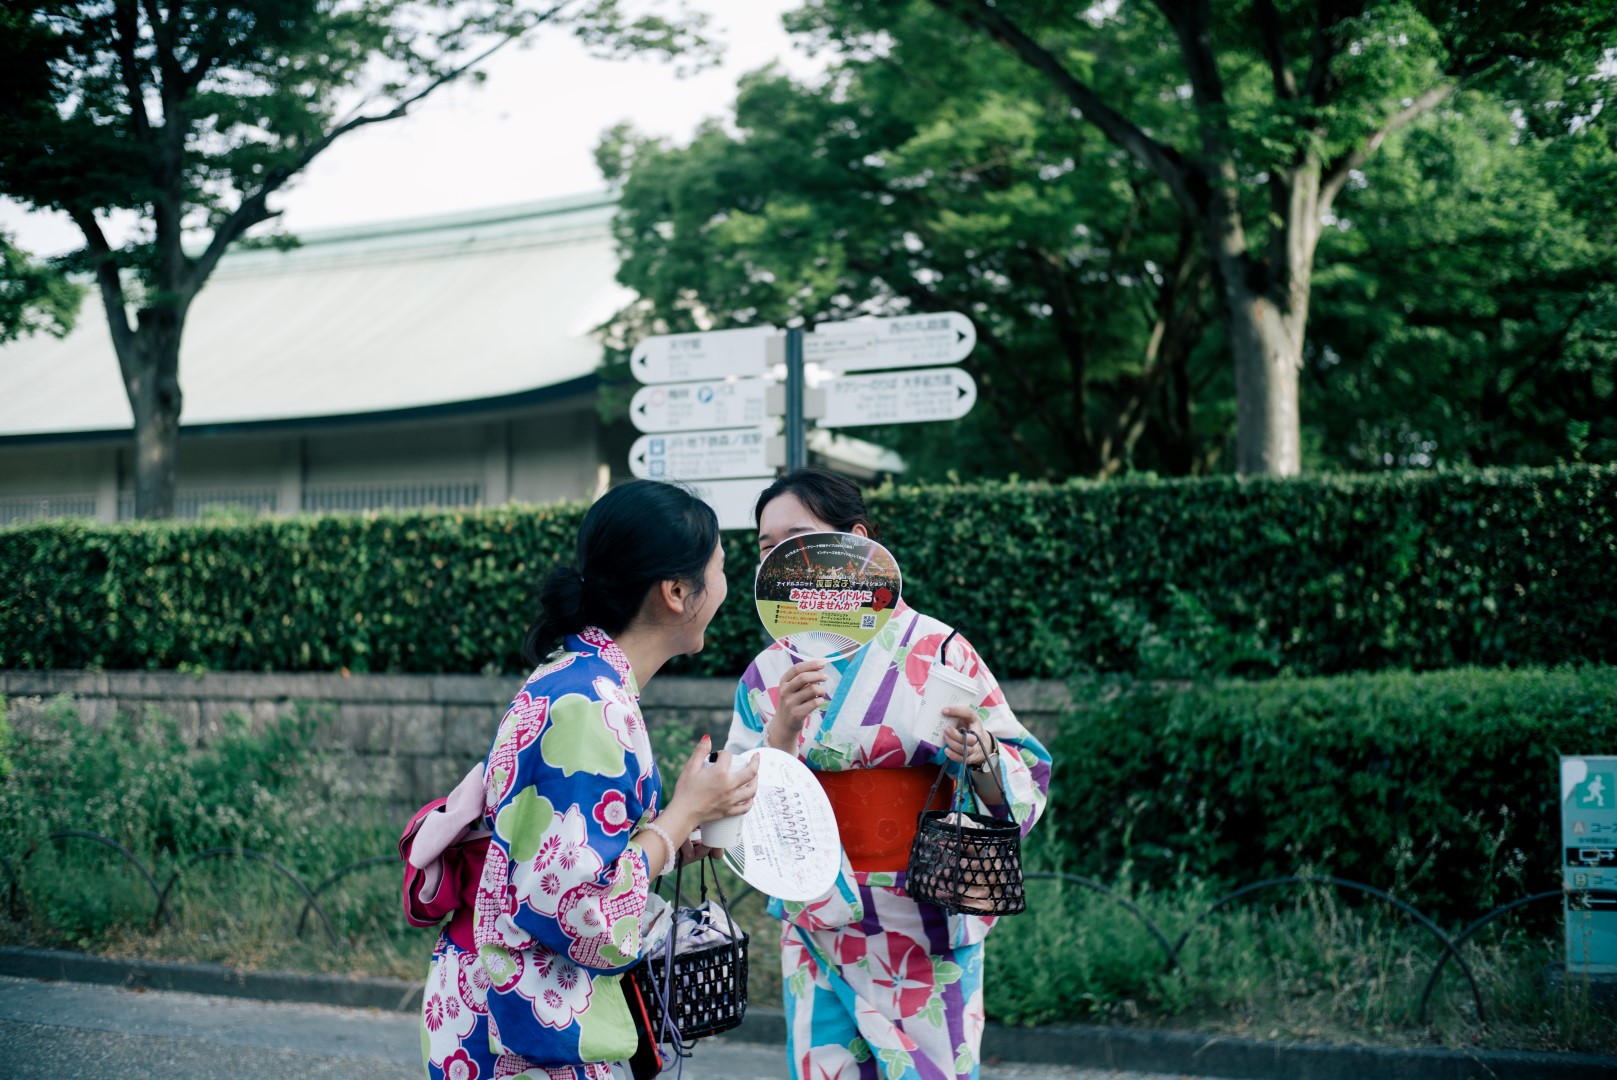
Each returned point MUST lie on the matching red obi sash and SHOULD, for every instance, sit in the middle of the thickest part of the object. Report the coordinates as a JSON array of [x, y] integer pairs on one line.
[[877, 809]]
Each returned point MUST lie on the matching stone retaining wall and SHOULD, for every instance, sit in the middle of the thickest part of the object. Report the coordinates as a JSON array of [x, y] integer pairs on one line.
[[406, 738]]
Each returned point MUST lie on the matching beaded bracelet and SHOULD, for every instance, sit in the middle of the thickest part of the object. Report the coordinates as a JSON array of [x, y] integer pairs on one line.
[[673, 849]]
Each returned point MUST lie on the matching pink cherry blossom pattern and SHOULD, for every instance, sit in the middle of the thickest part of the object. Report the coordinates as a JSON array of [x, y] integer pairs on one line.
[[620, 711], [609, 651], [565, 860], [509, 1066], [522, 724], [612, 812], [496, 903], [460, 1066], [557, 988], [504, 966], [473, 983], [589, 913], [433, 1013]]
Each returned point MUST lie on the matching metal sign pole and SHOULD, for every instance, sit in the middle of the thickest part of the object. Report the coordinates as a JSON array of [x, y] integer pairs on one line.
[[796, 446]]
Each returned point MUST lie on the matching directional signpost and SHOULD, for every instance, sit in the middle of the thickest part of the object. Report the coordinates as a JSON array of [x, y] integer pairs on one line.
[[904, 341], [897, 397], [709, 414], [720, 403], [706, 455], [712, 354]]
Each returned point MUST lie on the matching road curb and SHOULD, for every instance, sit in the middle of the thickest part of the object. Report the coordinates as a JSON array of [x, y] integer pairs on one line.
[[1075, 1047], [393, 995]]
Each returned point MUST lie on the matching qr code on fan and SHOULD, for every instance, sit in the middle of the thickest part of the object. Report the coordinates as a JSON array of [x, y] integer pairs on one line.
[[867, 622]]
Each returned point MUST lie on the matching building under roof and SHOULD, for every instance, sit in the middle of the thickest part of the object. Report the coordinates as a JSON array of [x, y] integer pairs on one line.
[[445, 361]]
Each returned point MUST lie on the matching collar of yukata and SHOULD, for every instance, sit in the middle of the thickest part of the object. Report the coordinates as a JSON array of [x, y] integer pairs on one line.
[[594, 637]]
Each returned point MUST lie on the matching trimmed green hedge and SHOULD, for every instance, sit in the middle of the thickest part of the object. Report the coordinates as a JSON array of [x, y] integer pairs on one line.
[[1222, 576], [1442, 786]]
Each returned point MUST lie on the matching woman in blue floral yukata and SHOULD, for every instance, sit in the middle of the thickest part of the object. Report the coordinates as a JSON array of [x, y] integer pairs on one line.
[[880, 986], [571, 799]]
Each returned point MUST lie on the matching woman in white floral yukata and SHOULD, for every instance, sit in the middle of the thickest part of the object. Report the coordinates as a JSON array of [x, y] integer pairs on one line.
[[528, 986], [879, 986]]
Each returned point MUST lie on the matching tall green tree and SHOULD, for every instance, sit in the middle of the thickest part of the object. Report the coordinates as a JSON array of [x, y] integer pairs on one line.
[[1466, 308], [195, 115], [940, 174], [1282, 102]]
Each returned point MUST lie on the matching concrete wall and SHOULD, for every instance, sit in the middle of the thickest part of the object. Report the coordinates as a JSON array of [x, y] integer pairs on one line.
[[404, 738]]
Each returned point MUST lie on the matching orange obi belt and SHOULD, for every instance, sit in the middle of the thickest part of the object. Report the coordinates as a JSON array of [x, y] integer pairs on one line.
[[876, 811]]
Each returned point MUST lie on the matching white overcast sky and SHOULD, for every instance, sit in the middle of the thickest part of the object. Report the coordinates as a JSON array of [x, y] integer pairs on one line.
[[528, 132]]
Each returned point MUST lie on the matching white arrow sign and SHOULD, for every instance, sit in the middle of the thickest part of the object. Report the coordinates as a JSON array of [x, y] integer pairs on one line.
[[732, 500], [688, 406], [899, 397], [714, 354], [899, 342], [707, 455]]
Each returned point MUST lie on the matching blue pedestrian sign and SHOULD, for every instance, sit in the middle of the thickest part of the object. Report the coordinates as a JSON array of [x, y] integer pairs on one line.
[[1589, 863]]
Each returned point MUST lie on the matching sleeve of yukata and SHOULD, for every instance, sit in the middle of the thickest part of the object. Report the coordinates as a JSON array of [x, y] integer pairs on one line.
[[1024, 763], [746, 725], [563, 820]]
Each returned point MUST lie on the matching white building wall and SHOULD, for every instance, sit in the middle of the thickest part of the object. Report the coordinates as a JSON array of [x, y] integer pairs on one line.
[[555, 457]]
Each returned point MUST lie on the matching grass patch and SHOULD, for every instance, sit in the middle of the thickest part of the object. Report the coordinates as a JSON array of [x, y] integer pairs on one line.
[[1293, 963]]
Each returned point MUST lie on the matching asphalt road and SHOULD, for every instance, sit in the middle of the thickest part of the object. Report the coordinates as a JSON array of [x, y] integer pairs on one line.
[[74, 1031]]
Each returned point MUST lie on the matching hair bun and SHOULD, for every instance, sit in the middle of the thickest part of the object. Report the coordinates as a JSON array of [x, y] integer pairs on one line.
[[562, 596]]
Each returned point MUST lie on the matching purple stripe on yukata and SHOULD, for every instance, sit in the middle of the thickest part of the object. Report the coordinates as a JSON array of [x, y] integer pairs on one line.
[[935, 924], [955, 1012], [884, 694]]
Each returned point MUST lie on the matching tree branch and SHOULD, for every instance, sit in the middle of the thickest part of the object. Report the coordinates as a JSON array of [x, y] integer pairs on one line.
[[112, 289], [1329, 15], [253, 208], [1336, 174], [1166, 162], [124, 37], [1274, 49]]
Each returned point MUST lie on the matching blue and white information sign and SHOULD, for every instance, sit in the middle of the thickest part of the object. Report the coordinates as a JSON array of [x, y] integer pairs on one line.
[[1589, 863]]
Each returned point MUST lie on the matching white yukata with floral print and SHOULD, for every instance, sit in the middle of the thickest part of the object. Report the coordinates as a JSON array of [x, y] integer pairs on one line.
[[879, 986]]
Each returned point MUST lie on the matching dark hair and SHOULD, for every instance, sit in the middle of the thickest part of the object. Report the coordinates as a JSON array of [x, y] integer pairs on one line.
[[829, 496], [635, 536]]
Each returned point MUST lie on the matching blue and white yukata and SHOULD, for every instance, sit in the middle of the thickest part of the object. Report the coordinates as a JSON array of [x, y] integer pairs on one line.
[[569, 779]]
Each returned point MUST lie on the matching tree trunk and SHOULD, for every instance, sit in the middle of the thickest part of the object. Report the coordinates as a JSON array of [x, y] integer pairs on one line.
[[1267, 344], [152, 380]]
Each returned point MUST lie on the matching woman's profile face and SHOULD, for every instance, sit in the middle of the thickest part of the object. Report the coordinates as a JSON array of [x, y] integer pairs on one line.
[[784, 517], [714, 589]]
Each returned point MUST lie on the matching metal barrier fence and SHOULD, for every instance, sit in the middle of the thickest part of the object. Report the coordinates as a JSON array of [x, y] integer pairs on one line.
[[44, 507], [192, 504], [1171, 950], [395, 497]]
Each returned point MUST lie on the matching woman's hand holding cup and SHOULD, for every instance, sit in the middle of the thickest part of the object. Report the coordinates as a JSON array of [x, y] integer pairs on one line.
[[707, 791]]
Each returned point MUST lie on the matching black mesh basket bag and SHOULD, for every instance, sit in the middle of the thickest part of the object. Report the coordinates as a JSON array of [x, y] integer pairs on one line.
[[969, 863], [703, 992]]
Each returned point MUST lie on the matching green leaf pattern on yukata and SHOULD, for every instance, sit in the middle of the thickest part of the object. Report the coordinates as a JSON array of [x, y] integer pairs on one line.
[[578, 740], [894, 1063]]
